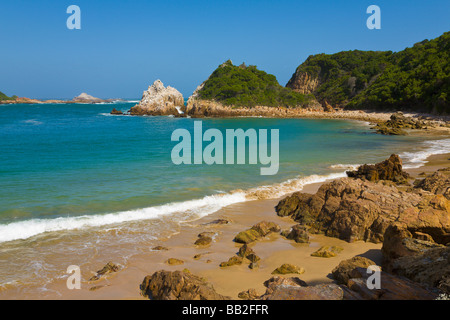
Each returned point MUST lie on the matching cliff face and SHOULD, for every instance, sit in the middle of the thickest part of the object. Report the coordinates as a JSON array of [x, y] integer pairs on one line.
[[303, 82], [159, 100]]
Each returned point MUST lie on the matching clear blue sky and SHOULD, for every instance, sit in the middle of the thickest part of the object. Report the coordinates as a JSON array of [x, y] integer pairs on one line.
[[123, 46]]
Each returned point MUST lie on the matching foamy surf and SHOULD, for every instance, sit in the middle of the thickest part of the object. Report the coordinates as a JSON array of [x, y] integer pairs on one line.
[[419, 158], [195, 209]]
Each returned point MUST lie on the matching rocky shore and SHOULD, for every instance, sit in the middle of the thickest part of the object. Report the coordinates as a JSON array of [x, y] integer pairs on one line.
[[82, 98], [377, 203]]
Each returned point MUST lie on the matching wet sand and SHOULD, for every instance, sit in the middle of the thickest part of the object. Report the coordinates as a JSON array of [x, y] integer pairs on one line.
[[274, 250]]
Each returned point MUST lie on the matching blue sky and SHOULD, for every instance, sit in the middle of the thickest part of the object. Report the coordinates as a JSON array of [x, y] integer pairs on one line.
[[123, 46]]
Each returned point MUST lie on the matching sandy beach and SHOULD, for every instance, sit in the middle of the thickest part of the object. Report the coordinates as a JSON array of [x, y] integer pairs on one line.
[[274, 251]]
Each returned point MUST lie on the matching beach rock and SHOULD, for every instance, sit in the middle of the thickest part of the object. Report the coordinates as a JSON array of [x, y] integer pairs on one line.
[[437, 183], [165, 285], [397, 122], [276, 281], [391, 287], [245, 251], [258, 231], [249, 294], [159, 100], [204, 239], [327, 252], [317, 292], [298, 233], [107, 269], [342, 272], [390, 169], [233, 261], [218, 221], [353, 209], [174, 261], [116, 112], [288, 269]]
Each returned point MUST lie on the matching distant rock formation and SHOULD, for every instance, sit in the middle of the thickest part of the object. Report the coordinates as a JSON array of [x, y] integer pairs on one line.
[[86, 98], [158, 100]]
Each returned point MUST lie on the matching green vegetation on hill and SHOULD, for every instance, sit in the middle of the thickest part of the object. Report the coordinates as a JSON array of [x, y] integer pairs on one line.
[[416, 78], [247, 86], [5, 97]]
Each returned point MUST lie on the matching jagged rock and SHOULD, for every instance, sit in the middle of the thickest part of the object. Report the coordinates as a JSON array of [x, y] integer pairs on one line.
[[327, 252], [298, 233], [258, 231], [165, 285], [159, 100], [288, 269], [174, 261], [107, 269], [342, 272], [276, 281], [390, 169], [353, 209], [303, 82]]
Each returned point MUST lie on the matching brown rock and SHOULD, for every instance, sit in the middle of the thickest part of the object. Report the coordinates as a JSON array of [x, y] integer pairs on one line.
[[258, 231], [235, 260], [249, 294], [298, 233], [327, 252], [116, 112], [318, 292], [165, 285], [342, 272], [174, 261], [287, 269], [390, 169]]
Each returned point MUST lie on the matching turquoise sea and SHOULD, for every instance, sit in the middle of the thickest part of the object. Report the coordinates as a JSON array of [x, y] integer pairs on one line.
[[75, 179]]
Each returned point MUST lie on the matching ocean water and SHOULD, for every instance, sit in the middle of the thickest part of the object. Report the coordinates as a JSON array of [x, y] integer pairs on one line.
[[77, 184]]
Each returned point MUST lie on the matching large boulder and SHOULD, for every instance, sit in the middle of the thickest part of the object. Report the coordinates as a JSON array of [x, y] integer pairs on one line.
[[298, 233], [355, 209], [159, 100], [165, 285]]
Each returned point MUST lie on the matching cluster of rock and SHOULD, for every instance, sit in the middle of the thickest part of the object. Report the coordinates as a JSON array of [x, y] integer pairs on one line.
[[398, 122], [412, 222], [158, 100]]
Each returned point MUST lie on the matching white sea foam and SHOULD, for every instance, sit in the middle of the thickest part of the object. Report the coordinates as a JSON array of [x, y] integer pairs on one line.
[[418, 159], [200, 207], [344, 166]]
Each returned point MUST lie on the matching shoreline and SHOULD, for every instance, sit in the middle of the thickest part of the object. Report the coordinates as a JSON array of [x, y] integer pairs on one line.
[[274, 250]]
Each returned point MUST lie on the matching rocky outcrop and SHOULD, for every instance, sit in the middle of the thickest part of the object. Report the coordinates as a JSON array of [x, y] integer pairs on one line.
[[158, 100], [437, 183], [390, 169], [353, 209], [178, 285], [86, 98], [116, 112]]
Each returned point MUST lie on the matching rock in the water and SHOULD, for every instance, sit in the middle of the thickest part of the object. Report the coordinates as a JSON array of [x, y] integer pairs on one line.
[[258, 231], [159, 100], [107, 269], [288, 269], [204, 239], [116, 112], [298, 233], [342, 272], [390, 169], [160, 248], [165, 285]]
